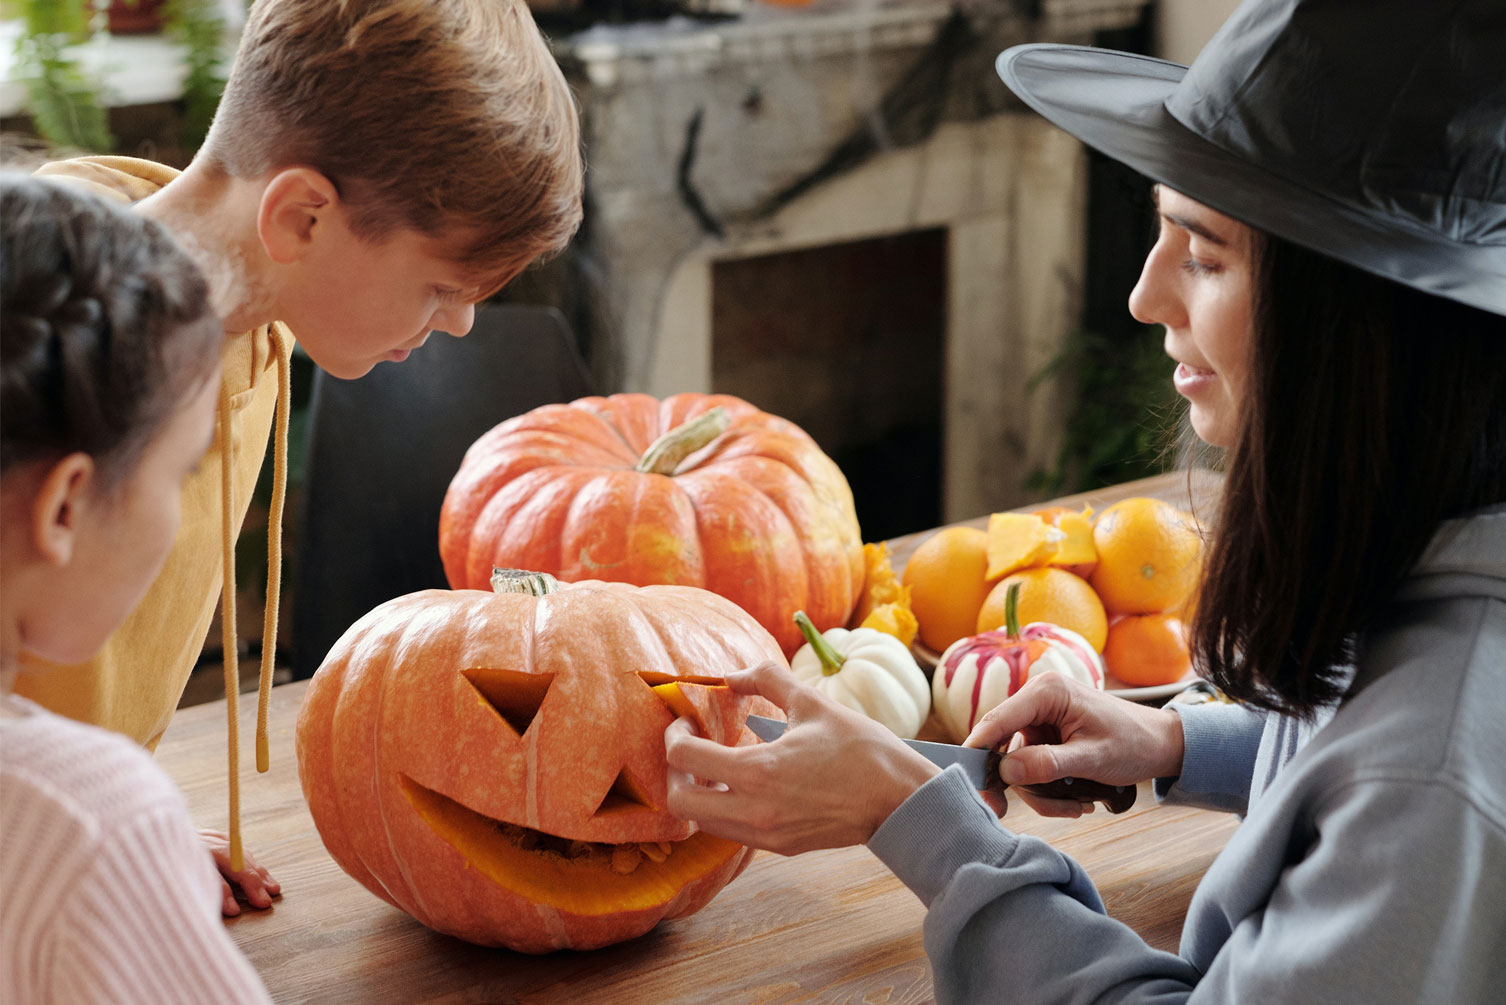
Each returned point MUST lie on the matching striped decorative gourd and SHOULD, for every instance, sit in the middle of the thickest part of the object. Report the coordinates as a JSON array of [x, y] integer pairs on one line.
[[978, 672]]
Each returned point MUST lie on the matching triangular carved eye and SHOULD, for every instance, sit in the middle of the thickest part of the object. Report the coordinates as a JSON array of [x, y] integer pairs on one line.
[[514, 694], [625, 796], [653, 678]]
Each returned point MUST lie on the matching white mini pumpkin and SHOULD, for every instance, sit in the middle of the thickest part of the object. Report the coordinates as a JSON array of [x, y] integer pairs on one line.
[[867, 670]]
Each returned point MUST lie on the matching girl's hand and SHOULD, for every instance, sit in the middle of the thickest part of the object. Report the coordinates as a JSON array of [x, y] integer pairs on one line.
[[1066, 728], [829, 781], [254, 882]]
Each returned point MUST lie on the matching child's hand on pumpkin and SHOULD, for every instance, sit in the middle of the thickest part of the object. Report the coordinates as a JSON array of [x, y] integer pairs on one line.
[[1063, 728], [254, 882], [829, 781]]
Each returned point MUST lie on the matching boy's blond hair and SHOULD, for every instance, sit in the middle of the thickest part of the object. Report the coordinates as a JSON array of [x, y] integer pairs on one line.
[[442, 116]]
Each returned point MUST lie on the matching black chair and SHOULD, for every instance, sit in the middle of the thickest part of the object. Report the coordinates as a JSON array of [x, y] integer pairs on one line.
[[382, 451]]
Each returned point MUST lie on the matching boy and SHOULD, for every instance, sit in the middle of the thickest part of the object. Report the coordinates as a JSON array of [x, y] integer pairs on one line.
[[375, 168]]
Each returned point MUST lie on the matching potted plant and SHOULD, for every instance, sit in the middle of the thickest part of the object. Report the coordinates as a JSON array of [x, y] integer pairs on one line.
[[65, 105]]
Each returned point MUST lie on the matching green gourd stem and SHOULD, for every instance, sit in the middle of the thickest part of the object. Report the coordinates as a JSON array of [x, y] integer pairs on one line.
[[666, 453], [831, 660], [536, 584], [1012, 610]]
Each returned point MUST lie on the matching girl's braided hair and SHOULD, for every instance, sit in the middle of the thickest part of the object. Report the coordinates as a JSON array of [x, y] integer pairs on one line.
[[105, 327]]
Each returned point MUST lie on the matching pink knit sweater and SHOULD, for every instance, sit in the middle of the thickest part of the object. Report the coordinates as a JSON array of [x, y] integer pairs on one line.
[[107, 894]]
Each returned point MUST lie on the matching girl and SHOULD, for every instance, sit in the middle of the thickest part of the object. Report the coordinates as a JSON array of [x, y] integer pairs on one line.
[[109, 374], [1331, 275]]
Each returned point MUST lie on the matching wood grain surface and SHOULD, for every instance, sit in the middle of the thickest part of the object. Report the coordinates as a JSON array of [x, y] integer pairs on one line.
[[831, 926]]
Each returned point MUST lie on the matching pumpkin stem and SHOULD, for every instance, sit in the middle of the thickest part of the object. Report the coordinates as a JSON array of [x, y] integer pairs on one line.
[[666, 453], [831, 660], [537, 584], [1012, 610]]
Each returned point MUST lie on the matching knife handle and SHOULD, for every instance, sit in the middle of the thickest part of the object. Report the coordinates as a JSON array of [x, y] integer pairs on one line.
[[1117, 798]]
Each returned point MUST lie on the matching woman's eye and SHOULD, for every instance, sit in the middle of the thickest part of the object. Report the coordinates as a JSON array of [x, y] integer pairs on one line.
[[447, 296], [1196, 268]]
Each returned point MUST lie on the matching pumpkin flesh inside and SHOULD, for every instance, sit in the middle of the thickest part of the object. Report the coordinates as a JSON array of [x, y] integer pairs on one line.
[[582, 878]]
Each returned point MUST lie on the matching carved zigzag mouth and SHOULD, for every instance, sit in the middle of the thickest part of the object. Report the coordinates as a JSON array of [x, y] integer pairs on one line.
[[587, 878]]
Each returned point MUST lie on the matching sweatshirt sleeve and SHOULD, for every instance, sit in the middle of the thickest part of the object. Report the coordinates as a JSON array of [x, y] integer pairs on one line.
[[1010, 918], [1397, 900], [143, 923], [1221, 743]]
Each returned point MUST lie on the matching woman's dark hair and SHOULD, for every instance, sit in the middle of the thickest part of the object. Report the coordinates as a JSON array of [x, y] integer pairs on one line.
[[105, 327], [1373, 412]]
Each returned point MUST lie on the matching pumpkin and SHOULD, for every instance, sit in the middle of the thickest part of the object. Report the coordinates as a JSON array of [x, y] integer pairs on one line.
[[976, 673], [493, 763], [695, 490], [867, 670]]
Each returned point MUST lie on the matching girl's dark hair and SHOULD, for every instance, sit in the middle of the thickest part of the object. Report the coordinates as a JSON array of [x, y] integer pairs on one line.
[[105, 327], [1373, 412]]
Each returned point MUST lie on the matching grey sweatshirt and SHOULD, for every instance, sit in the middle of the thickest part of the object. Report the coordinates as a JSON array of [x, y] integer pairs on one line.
[[1370, 866]]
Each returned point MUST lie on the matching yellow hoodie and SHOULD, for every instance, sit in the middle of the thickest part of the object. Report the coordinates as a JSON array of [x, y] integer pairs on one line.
[[133, 685]]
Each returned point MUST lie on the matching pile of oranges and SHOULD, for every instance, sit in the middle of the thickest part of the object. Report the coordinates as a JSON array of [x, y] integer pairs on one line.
[[1122, 579]]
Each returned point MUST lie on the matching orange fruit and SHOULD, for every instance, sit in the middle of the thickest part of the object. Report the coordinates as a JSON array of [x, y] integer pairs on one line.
[[945, 577], [1052, 595], [1144, 650], [1075, 552], [1015, 541], [1149, 554]]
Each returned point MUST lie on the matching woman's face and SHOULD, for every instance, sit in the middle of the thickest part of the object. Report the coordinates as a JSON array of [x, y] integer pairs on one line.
[[1198, 281]]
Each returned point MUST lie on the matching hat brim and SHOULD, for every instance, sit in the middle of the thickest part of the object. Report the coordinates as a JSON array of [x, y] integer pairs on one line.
[[1115, 103]]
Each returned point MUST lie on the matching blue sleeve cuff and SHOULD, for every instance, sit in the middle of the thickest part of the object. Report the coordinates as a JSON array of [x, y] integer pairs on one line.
[[943, 826], [1220, 742]]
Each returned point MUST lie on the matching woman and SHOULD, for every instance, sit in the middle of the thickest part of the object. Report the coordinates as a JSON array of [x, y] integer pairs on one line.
[[1331, 274]]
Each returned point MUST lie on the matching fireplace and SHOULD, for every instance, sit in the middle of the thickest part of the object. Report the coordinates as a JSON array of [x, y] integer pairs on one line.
[[847, 341], [743, 176]]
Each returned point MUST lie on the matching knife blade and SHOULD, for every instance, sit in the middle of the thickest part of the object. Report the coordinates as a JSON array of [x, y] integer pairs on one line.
[[982, 769]]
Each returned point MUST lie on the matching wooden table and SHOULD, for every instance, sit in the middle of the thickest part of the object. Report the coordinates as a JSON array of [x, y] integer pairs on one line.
[[822, 927]]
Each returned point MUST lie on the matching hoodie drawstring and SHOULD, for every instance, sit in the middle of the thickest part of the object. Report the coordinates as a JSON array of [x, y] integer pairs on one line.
[[227, 625], [274, 545], [230, 646]]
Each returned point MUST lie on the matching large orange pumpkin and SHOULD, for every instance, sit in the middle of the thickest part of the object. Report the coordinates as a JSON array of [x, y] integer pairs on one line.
[[493, 763], [695, 490]]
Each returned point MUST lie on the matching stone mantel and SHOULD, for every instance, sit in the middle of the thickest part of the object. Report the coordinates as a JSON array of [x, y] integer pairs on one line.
[[609, 55]]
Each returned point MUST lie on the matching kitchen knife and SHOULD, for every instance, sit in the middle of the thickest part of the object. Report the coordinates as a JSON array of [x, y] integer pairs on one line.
[[982, 770]]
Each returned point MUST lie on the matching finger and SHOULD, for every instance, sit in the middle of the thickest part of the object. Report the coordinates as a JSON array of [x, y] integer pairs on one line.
[[1034, 764], [1068, 808], [995, 800], [1038, 763], [768, 680], [272, 886], [707, 807], [1027, 707], [726, 815], [256, 895], [228, 907], [701, 758]]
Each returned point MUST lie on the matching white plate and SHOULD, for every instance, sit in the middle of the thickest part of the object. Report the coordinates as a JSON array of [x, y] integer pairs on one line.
[[929, 658]]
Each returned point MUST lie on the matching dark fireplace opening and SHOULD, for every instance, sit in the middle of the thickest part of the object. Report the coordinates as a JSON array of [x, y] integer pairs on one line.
[[848, 341]]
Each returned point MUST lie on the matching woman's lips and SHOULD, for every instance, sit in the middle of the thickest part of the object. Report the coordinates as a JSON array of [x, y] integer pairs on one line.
[[398, 355], [1189, 380]]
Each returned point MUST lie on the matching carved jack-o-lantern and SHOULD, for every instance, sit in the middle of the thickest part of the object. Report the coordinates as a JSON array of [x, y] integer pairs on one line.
[[493, 763]]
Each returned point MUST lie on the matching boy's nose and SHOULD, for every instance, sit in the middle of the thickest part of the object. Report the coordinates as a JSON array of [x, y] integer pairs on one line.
[[457, 321]]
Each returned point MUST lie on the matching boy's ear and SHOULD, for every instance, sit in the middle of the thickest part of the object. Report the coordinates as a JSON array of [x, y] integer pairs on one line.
[[295, 203], [60, 503]]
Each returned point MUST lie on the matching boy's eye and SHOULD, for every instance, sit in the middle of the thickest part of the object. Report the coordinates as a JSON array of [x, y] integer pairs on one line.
[[449, 296], [1196, 268]]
